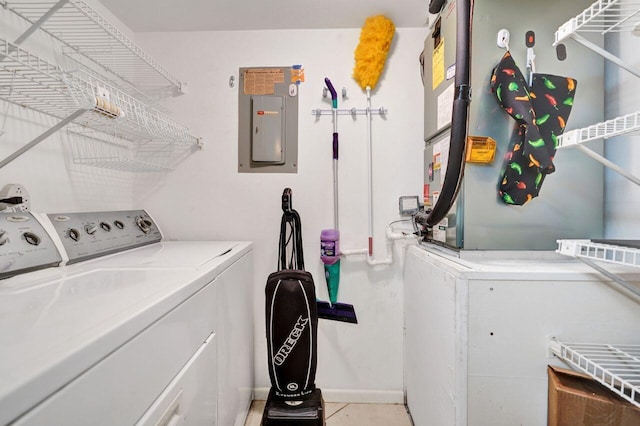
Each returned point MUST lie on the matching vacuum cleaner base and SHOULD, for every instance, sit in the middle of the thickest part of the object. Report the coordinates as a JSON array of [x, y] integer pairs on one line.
[[309, 412]]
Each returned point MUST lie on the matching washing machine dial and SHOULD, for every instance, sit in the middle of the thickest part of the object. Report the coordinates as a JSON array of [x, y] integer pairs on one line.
[[74, 234], [144, 224], [105, 226], [118, 224], [31, 238], [4, 237], [90, 228]]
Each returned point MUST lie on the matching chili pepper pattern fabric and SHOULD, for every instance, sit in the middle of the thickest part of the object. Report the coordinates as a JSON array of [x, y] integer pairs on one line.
[[541, 112]]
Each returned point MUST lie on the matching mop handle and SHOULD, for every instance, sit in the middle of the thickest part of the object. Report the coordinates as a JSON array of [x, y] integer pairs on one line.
[[334, 94]]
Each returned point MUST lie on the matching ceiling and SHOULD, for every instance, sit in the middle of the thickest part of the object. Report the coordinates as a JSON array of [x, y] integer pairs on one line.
[[221, 15]]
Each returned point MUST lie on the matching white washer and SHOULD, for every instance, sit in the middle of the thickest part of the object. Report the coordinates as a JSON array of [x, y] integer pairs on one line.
[[134, 336]]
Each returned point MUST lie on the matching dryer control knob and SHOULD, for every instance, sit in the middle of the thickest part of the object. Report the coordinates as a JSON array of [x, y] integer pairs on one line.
[[90, 229], [144, 224], [31, 238], [74, 234], [4, 238]]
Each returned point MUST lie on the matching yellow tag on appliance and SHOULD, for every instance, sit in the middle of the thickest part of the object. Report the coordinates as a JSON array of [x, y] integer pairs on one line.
[[480, 149]]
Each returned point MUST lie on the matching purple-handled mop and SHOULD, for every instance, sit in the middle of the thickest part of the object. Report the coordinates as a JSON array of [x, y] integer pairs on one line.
[[329, 240]]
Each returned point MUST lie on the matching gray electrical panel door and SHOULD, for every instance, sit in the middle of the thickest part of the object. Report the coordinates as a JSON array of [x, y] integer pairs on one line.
[[267, 134], [268, 119]]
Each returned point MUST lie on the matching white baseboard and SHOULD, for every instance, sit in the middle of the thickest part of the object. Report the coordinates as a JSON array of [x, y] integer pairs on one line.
[[350, 396]]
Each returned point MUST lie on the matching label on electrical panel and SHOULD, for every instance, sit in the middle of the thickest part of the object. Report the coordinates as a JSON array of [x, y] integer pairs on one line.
[[262, 81], [440, 230]]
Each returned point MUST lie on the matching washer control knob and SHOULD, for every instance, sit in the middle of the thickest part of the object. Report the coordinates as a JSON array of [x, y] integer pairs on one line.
[[144, 224], [31, 238], [90, 228], [105, 226], [74, 234], [118, 224], [4, 237]]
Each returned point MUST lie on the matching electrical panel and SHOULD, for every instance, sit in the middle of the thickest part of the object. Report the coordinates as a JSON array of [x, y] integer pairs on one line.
[[268, 119]]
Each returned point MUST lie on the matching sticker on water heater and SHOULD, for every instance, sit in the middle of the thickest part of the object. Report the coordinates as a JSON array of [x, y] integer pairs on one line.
[[451, 71], [425, 194], [437, 65], [445, 106], [440, 230]]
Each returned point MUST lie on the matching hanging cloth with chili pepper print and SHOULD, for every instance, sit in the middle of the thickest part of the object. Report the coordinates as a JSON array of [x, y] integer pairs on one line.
[[541, 112]]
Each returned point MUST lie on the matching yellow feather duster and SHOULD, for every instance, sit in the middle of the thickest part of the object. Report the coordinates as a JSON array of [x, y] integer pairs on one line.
[[371, 53]]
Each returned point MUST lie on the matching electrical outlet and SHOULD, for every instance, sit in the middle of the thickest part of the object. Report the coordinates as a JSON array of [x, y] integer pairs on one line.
[[11, 190]]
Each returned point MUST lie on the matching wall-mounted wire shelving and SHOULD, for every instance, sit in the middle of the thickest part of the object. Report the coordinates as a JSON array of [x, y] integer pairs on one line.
[[603, 17], [86, 35], [88, 103], [616, 367], [609, 253], [627, 124]]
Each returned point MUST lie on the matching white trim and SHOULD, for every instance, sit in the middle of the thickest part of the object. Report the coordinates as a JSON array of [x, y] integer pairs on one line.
[[348, 396]]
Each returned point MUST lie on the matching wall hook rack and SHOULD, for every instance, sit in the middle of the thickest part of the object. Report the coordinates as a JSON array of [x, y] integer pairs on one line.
[[353, 111]]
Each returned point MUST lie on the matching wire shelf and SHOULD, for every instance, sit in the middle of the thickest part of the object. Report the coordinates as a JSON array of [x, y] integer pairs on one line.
[[603, 16], [627, 124], [139, 138], [616, 367], [27, 80], [627, 256], [107, 152], [89, 35]]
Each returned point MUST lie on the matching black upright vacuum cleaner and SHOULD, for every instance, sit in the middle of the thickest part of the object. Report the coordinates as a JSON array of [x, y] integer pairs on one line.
[[292, 328]]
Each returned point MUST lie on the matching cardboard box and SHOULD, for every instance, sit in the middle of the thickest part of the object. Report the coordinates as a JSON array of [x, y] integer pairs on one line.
[[576, 399]]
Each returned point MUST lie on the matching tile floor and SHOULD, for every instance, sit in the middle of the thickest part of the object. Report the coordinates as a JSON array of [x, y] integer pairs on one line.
[[342, 414]]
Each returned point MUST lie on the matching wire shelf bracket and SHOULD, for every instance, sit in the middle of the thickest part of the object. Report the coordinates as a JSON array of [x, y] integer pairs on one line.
[[42, 137], [617, 367], [603, 17]]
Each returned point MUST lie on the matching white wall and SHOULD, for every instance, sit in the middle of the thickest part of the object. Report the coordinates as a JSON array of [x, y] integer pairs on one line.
[[206, 198], [622, 197]]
